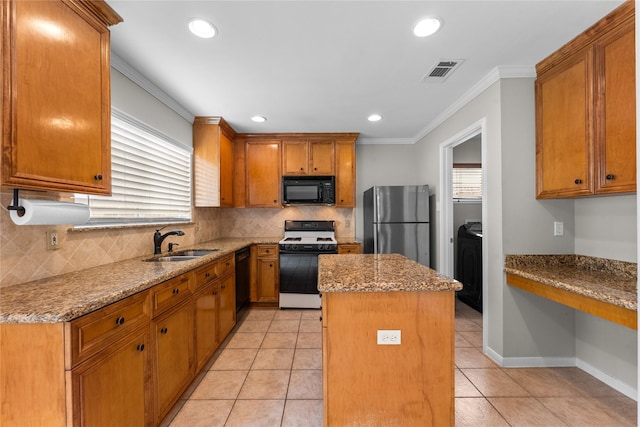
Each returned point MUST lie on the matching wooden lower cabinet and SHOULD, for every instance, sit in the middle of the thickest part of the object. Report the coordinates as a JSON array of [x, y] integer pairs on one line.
[[125, 364], [410, 384], [206, 323], [265, 277], [114, 388], [174, 365]]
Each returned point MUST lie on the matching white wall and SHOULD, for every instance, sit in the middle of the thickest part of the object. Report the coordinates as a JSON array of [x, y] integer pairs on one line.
[[382, 164], [132, 99], [606, 227], [522, 329]]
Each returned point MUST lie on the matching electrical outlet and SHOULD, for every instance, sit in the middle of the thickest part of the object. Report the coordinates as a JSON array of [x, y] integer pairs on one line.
[[558, 228], [389, 337], [52, 240]]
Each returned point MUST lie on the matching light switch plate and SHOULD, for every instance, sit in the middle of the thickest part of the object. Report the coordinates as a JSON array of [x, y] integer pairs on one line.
[[558, 228]]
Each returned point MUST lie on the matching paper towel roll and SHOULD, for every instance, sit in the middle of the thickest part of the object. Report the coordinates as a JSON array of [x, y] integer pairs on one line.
[[48, 212]]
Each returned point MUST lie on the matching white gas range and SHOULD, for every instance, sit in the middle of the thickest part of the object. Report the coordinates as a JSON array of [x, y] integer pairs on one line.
[[299, 249]]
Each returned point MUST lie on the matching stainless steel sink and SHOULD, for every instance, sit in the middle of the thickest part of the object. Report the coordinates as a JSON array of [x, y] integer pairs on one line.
[[182, 255], [194, 252], [172, 258]]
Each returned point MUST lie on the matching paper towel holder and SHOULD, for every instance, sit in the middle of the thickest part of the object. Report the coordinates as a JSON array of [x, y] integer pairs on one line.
[[15, 206]]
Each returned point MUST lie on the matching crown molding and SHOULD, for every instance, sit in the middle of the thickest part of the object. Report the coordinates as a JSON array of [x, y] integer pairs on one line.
[[496, 74]]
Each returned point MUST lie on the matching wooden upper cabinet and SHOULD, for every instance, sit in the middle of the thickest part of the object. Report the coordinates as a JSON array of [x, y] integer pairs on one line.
[[213, 167], [56, 119], [564, 106], [295, 157], [616, 106], [345, 173], [322, 158], [307, 157], [263, 174], [585, 112]]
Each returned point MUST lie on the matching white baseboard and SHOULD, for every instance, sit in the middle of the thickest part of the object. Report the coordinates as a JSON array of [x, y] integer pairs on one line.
[[615, 383], [542, 362]]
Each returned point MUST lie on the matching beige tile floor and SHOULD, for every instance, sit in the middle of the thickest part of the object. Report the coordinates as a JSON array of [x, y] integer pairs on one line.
[[268, 372]]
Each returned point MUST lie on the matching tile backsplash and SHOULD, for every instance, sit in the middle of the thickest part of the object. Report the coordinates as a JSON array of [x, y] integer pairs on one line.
[[25, 257]]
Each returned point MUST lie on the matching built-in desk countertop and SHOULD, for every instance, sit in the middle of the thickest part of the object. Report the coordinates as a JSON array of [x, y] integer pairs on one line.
[[601, 287]]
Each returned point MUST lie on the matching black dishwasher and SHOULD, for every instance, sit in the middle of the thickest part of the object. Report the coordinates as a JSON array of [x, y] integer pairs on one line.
[[242, 278]]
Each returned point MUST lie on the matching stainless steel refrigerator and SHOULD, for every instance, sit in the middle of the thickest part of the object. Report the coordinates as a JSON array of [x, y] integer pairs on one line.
[[396, 221]]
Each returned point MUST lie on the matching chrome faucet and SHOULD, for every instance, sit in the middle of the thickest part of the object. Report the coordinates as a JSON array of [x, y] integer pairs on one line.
[[159, 238]]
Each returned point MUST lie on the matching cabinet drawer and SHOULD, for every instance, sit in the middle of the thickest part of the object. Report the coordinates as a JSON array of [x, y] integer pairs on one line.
[[170, 293], [267, 250], [205, 274], [95, 331], [225, 265]]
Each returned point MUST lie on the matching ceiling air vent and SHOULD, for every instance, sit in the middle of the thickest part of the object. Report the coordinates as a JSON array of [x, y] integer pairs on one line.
[[442, 70]]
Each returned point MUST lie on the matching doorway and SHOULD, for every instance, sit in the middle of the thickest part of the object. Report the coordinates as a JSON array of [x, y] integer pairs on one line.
[[448, 225]]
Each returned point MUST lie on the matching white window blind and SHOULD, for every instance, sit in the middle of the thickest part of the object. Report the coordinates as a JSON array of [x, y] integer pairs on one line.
[[151, 177], [467, 182]]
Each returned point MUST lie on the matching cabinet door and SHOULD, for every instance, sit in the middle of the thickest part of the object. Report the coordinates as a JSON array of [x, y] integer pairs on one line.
[[226, 305], [174, 356], [295, 157], [56, 119], [616, 113], [263, 174], [321, 158], [564, 137], [267, 281], [206, 322], [345, 174], [112, 388]]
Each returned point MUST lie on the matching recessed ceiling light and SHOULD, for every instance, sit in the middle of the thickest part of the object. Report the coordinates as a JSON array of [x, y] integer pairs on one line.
[[426, 27], [202, 28], [374, 117], [259, 119]]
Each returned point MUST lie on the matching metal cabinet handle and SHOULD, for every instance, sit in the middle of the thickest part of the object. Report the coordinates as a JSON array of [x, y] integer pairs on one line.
[[164, 331], [98, 177], [140, 347], [578, 181], [610, 177], [176, 291], [120, 321]]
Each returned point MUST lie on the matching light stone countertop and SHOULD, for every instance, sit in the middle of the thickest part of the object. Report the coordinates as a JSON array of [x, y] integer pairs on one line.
[[609, 281], [68, 296], [379, 273]]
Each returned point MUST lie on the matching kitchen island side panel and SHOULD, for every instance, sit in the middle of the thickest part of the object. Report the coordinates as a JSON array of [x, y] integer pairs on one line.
[[371, 384]]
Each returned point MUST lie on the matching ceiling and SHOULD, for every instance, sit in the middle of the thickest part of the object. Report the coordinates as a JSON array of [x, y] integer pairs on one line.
[[325, 66]]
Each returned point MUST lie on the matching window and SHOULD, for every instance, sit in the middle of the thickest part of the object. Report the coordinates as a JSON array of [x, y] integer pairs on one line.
[[467, 181], [151, 177]]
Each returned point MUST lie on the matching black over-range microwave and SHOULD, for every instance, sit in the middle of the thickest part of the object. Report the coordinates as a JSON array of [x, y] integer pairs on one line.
[[308, 190]]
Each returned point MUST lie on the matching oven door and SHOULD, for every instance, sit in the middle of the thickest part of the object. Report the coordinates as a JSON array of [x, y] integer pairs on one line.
[[299, 273]]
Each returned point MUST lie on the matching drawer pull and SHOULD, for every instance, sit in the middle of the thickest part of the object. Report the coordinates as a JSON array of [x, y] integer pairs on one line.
[[207, 275], [214, 293], [610, 177], [224, 286], [578, 181], [164, 331], [176, 291], [98, 177], [140, 347], [120, 321]]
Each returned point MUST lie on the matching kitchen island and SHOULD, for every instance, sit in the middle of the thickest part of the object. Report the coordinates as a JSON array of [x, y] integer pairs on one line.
[[388, 341]]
